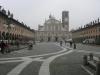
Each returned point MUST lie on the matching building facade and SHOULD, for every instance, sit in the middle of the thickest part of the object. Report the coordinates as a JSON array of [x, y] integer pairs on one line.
[[89, 32], [53, 29], [12, 30]]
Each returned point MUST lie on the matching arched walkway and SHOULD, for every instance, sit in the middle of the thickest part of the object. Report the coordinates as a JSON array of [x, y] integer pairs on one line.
[[3, 36], [0, 36]]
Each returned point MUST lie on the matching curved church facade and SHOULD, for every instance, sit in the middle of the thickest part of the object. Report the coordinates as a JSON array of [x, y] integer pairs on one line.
[[52, 30]]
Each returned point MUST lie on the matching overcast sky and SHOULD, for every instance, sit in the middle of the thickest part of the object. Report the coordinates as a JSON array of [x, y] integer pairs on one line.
[[34, 12]]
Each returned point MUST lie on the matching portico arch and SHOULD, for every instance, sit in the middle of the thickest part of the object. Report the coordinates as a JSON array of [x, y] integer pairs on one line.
[[3, 35], [0, 35]]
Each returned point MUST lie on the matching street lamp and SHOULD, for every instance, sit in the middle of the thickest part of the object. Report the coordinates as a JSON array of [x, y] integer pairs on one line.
[[8, 25], [34, 36]]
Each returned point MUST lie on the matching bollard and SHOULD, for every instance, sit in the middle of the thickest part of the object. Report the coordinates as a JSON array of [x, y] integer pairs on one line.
[[91, 56], [85, 60], [98, 68]]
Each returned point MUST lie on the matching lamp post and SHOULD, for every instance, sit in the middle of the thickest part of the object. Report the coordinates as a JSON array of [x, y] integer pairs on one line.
[[8, 25], [34, 36]]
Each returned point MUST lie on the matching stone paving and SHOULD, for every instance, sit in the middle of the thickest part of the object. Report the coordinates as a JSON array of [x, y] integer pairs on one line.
[[81, 46], [69, 64], [40, 48], [58, 60], [27, 60]]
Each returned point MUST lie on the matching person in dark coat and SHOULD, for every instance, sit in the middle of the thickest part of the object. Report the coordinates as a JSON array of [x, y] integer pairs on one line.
[[60, 43], [71, 43], [2, 45], [74, 45]]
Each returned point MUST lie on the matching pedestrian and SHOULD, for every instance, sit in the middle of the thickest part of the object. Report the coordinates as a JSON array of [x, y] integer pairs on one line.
[[71, 43], [17, 44], [60, 43], [7, 47], [2, 45], [74, 46]]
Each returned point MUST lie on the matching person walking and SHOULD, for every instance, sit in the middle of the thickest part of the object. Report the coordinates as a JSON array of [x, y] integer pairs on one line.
[[74, 45], [60, 43], [7, 47], [70, 43], [2, 45], [30, 46]]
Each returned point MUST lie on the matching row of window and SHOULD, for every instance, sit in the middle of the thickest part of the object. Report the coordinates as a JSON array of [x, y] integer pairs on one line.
[[89, 32]]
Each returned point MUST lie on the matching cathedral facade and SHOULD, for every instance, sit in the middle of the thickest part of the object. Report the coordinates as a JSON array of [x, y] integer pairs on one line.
[[53, 29]]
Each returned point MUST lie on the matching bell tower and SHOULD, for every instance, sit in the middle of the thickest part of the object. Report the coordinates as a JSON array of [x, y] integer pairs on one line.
[[65, 20]]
